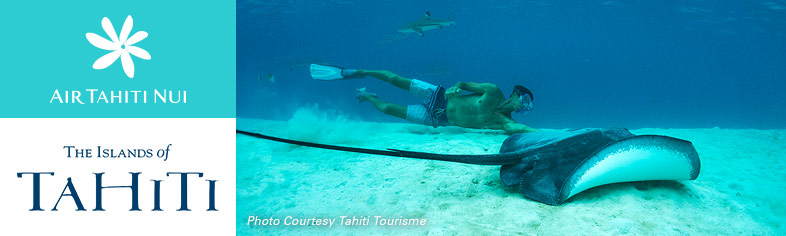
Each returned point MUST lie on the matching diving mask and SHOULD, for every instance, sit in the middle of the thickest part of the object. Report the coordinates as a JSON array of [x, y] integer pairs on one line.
[[526, 103]]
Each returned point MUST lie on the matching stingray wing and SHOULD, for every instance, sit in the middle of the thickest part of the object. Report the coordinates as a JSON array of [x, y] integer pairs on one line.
[[553, 171]]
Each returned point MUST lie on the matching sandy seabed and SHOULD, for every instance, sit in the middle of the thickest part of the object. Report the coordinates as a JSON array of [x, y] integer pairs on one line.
[[741, 189]]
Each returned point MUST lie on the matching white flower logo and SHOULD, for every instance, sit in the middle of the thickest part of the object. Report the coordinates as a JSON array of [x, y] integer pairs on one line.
[[120, 47]]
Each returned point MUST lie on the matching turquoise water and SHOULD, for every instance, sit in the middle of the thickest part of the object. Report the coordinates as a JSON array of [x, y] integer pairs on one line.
[[668, 64], [711, 72]]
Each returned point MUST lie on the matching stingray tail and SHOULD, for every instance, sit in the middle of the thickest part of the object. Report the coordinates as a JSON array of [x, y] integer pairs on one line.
[[486, 159]]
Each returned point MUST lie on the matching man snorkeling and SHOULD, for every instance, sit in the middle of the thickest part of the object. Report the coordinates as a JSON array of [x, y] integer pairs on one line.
[[485, 108]]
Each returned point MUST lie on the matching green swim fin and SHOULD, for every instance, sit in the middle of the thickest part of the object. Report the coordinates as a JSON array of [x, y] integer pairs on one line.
[[325, 72]]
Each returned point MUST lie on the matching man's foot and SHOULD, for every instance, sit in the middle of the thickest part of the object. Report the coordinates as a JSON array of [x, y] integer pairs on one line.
[[351, 74], [363, 96]]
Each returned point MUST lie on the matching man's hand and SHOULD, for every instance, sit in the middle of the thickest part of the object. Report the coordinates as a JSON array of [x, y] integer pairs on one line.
[[452, 92], [514, 128]]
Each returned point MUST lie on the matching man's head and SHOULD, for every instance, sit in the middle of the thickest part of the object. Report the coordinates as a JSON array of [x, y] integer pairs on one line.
[[523, 97]]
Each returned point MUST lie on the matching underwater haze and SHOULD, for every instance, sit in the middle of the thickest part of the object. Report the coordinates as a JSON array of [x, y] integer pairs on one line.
[[634, 64], [709, 72]]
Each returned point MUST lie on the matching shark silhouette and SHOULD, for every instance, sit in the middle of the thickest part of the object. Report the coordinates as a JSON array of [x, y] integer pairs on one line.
[[426, 23]]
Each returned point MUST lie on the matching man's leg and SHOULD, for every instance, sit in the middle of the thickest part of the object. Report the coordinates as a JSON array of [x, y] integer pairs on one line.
[[387, 76], [388, 108], [421, 89]]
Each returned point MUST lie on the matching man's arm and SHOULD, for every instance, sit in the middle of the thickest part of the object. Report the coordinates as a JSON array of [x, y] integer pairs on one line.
[[481, 88], [514, 128], [477, 87]]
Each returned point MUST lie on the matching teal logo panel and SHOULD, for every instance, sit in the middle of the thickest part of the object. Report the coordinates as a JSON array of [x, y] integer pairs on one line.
[[147, 59]]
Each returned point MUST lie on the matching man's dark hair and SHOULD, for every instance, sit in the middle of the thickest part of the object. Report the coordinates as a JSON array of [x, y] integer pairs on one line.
[[521, 90]]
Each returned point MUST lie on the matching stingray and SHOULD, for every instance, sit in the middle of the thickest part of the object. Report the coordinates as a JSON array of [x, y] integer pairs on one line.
[[552, 166]]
